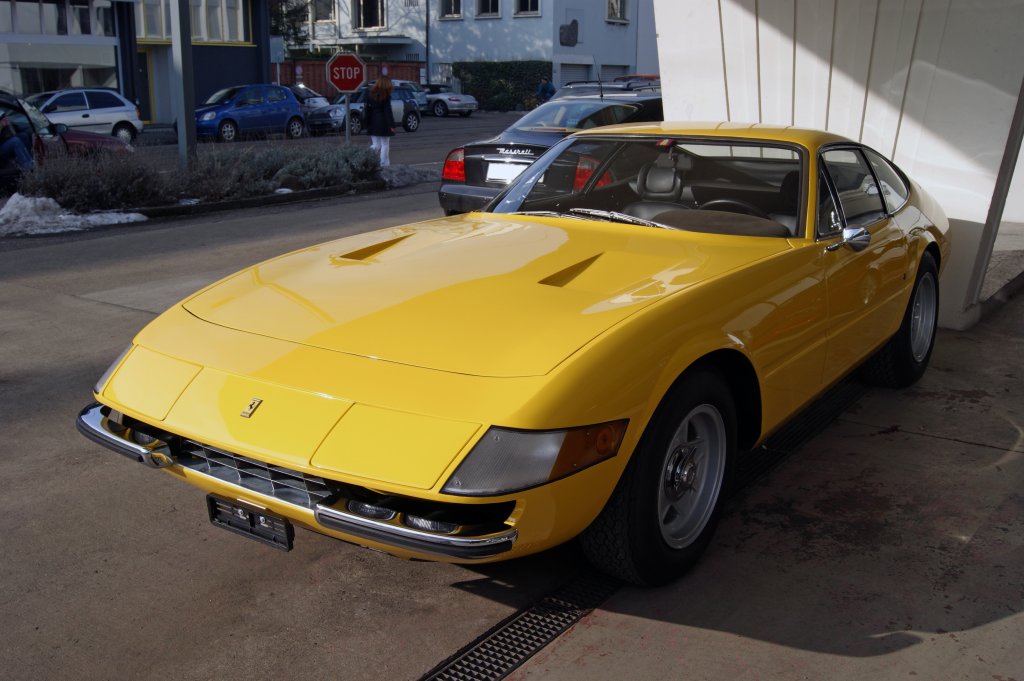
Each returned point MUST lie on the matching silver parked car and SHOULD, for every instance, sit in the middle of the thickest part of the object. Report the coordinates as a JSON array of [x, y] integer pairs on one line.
[[309, 99], [99, 110], [442, 100], [331, 119]]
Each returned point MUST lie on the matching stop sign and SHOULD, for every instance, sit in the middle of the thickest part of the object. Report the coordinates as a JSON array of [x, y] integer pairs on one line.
[[346, 72]]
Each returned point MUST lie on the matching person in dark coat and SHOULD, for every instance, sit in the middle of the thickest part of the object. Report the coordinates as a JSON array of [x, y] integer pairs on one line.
[[380, 120]]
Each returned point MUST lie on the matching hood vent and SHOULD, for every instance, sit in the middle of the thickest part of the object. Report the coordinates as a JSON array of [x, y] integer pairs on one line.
[[368, 252], [564, 277]]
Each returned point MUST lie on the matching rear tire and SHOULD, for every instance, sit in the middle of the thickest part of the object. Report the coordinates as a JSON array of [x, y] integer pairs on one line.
[[440, 109], [295, 128], [411, 121], [904, 358], [664, 510]]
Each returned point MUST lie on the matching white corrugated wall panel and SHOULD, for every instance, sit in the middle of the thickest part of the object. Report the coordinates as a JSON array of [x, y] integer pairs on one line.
[[739, 37], [775, 54], [812, 70]]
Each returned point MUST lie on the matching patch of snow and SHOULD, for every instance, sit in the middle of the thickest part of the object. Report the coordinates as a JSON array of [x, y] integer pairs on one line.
[[188, 202], [25, 215], [283, 190]]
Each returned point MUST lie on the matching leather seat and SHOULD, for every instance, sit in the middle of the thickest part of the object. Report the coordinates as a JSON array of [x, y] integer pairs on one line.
[[788, 203], [659, 188]]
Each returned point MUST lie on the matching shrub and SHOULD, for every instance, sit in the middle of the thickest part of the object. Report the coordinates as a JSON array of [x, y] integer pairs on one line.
[[501, 85], [116, 180], [100, 180]]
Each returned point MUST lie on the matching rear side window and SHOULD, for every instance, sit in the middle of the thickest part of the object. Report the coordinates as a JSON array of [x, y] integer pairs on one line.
[[894, 189], [855, 185], [71, 101], [277, 95], [103, 100]]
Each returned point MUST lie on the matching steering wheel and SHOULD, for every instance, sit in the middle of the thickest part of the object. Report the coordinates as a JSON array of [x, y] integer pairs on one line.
[[731, 205]]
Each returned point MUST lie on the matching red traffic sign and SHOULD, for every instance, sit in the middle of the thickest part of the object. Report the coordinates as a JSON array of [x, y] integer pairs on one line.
[[346, 72]]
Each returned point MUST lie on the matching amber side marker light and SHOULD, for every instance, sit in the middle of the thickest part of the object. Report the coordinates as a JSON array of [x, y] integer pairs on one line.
[[506, 460]]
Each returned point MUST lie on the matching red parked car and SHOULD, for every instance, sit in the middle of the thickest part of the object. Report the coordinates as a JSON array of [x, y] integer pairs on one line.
[[41, 137]]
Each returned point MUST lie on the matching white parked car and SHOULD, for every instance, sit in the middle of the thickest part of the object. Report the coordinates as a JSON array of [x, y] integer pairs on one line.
[[442, 100], [99, 110]]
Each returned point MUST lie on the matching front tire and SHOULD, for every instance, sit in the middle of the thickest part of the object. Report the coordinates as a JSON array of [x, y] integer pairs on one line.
[[904, 358], [125, 133], [411, 121], [227, 132], [664, 510], [355, 124]]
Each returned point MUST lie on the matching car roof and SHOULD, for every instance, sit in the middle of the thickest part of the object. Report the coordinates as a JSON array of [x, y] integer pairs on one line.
[[613, 96], [811, 139]]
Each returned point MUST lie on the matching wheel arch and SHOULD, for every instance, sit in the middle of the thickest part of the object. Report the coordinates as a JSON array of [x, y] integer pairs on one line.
[[739, 374]]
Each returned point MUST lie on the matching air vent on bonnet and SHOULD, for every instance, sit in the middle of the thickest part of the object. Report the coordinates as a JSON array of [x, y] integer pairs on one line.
[[564, 277], [368, 252]]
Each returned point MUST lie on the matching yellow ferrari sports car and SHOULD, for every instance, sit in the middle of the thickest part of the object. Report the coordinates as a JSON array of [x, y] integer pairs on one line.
[[586, 358]]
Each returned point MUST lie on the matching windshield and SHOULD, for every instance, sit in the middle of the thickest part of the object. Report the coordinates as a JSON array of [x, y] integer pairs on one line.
[[733, 187], [38, 100], [567, 115], [223, 96]]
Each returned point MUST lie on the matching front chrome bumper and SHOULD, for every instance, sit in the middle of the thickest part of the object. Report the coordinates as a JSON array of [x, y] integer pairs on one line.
[[98, 427]]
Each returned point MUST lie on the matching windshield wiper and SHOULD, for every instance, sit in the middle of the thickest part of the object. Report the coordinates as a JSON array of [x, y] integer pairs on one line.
[[615, 216], [546, 214]]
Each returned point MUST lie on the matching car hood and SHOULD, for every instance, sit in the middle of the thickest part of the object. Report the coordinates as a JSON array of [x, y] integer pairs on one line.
[[200, 110], [478, 294]]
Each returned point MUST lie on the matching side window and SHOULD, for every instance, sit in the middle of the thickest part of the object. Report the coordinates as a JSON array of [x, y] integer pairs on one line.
[[894, 189], [103, 100], [71, 101], [858, 195], [250, 96], [829, 221], [276, 95]]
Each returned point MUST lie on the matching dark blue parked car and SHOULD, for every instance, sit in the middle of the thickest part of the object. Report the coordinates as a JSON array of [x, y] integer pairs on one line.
[[250, 109]]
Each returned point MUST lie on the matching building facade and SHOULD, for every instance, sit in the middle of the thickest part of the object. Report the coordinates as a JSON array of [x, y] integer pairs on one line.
[[582, 40]]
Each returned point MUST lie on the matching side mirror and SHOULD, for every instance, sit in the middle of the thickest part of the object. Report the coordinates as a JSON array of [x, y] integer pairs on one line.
[[857, 238], [60, 128]]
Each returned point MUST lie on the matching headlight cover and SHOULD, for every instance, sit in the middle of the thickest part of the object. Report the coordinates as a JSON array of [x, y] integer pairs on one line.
[[506, 460], [337, 113], [102, 382], [208, 116]]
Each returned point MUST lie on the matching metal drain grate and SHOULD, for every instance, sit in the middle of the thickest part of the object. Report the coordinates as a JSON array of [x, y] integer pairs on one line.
[[509, 644]]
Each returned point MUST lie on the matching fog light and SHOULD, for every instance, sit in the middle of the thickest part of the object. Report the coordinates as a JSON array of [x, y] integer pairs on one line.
[[426, 525], [370, 510], [142, 439]]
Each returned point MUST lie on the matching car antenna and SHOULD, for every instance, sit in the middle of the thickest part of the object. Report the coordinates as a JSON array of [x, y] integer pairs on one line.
[[600, 85]]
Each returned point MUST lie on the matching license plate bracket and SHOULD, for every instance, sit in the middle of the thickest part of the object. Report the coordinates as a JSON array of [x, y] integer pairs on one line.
[[250, 521]]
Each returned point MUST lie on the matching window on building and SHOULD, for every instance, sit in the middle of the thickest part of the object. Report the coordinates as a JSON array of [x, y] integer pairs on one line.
[[617, 10], [104, 18], [27, 16], [6, 18], [233, 19], [152, 16], [55, 17], [488, 8], [368, 14], [78, 17], [214, 18], [323, 10], [527, 6], [412, 3], [451, 9]]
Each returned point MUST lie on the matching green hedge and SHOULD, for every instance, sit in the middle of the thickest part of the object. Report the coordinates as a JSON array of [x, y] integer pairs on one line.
[[502, 85]]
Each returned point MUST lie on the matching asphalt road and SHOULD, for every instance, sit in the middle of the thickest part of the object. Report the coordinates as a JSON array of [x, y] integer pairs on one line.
[[427, 147]]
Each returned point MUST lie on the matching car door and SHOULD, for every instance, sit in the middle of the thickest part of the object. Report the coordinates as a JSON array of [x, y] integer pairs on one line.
[[106, 110], [866, 283], [277, 108], [249, 110], [71, 109]]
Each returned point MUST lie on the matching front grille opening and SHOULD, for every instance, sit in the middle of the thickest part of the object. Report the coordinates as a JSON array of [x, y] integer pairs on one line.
[[282, 483]]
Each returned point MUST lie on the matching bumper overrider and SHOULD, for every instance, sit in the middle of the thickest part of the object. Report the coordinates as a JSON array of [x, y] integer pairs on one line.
[[445, 530]]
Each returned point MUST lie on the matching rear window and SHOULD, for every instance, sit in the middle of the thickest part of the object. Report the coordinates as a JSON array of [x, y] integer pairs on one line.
[[104, 100], [566, 115]]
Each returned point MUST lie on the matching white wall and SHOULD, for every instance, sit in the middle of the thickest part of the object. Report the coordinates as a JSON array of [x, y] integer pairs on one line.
[[491, 39], [931, 83]]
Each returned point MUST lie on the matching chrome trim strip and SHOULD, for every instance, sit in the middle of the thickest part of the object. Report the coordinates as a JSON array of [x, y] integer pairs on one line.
[[407, 537], [92, 423]]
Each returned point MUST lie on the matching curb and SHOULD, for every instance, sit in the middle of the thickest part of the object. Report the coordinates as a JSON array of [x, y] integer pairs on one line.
[[262, 200]]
